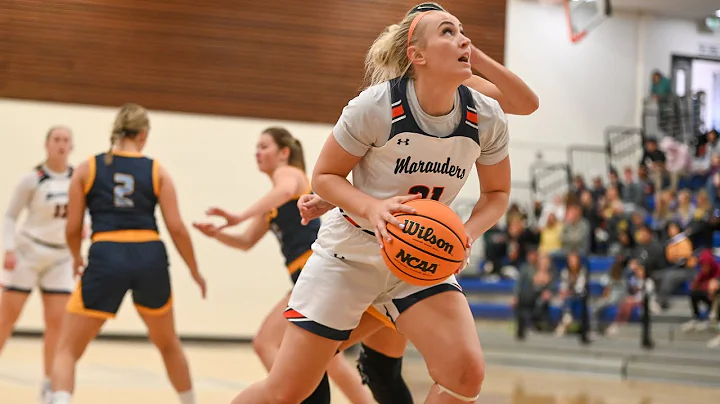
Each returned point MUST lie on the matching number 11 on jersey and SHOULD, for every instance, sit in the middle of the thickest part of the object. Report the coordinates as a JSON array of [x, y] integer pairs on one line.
[[425, 191]]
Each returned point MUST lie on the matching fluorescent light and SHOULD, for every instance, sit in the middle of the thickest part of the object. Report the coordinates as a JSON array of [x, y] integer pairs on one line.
[[717, 13]]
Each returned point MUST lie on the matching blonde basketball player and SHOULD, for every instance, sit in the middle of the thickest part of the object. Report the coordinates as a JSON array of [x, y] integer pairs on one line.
[[280, 156], [122, 188], [416, 113], [380, 359], [36, 254]]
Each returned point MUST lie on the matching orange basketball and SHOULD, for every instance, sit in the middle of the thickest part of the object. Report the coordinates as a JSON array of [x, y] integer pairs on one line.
[[430, 247]]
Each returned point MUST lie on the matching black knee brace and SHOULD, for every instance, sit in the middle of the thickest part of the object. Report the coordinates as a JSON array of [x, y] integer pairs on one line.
[[321, 395], [383, 375]]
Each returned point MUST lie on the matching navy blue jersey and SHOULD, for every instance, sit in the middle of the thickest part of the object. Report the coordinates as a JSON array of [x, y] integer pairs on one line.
[[122, 195], [295, 239]]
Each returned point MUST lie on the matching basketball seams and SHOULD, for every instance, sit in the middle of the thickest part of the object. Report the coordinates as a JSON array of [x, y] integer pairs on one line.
[[426, 252], [424, 280]]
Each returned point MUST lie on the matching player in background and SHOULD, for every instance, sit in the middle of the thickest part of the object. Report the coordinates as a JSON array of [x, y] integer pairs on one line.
[[122, 189], [280, 156], [36, 254]]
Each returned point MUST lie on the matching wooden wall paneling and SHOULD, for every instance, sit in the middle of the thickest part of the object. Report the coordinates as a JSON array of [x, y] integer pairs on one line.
[[271, 59]]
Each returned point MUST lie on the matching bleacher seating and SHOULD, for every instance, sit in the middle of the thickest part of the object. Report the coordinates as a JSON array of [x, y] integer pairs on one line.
[[494, 309]]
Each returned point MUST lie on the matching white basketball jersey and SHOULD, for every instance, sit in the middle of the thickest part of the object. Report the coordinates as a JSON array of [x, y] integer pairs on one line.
[[414, 161], [47, 207]]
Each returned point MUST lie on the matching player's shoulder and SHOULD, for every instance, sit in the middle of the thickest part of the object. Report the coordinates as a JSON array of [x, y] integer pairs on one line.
[[373, 98], [486, 106]]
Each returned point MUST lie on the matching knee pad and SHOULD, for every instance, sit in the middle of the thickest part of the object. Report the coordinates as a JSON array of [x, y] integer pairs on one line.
[[375, 366], [456, 395], [383, 375]]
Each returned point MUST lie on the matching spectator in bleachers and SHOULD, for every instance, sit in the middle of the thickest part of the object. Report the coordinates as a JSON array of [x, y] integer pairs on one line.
[[703, 289], [649, 253], [533, 292], [520, 239], [576, 231], [551, 236], [614, 182], [680, 264], [591, 214], [617, 223], [579, 186], [654, 159], [598, 189], [685, 210], [496, 240], [555, 207], [572, 291], [615, 290], [713, 189], [711, 143], [648, 186], [632, 190], [632, 298], [677, 159], [664, 206]]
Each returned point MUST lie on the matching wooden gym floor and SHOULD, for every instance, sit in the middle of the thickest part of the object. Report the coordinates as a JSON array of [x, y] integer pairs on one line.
[[131, 372]]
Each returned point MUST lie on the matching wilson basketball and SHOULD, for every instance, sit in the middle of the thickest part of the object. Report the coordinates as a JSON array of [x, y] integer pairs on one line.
[[430, 247]]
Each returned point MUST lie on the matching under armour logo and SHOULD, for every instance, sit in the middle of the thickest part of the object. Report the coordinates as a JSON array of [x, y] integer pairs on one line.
[[338, 256], [406, 141]]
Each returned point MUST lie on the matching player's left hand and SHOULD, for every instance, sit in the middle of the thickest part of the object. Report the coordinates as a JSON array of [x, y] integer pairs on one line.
[[78, 266], [232, 219]]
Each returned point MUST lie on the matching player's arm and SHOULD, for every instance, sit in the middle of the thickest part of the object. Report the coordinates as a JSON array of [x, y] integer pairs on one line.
[[167, 198], [20, 199], [515, 97], [243, 241], [286, 182], [493, 169], [76, 211]]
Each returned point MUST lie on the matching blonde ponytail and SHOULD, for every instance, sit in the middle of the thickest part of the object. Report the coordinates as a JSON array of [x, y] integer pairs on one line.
[[129, 122], [387, 57]]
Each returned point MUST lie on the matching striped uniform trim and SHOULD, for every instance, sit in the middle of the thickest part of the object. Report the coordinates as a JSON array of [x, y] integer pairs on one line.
[[314, 327], [398, 112], [352, 222], [471, 117]]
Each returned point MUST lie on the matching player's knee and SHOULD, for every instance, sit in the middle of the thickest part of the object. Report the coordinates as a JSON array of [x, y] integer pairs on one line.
[[288, 393], [462, 374], [263, 347]]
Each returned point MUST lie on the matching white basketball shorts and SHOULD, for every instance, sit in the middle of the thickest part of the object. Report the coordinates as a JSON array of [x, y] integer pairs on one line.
[[344, 276], [39, 264]]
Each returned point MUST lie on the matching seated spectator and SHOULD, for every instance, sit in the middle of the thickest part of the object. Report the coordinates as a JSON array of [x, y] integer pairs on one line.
[[598, 189], [680, 264], [685, 211], [533, 293], [703, 289], [550, 236], [576, 232], [664, 209], [520, 239], [632, 298], [614, 182], [632, 190], [496, 245], [555, 207], [572, 291], [615, 290], [616, 223]]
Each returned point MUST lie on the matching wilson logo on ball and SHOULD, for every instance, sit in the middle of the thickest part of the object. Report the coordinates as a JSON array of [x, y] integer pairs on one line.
[[414, 262], [426, 234]]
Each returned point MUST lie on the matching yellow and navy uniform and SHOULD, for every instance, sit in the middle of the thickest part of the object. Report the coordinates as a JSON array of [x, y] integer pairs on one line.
[[295, 239], [126, 251]]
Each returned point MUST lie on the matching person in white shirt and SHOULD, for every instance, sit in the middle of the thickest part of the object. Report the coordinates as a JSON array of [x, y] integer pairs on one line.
[[36, 254], [415, 113]]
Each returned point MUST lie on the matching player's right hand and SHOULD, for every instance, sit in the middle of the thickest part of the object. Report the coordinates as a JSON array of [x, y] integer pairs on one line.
[[10, 260], [311, 207], [201, 283], [207, 229], [381, 212], [78, 266]]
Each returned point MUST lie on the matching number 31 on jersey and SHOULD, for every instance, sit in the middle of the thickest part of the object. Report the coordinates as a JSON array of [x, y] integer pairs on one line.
[[426, 192]]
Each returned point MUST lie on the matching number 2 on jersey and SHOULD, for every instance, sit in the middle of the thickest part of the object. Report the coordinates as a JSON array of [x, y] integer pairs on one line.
[[425, 191], [124, 187]]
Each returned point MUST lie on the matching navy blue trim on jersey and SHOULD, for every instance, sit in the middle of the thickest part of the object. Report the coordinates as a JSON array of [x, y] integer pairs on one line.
[[403, 120], [44, 175]]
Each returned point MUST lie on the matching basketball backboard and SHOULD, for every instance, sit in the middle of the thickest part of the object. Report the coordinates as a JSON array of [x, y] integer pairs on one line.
[[585, 15]]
